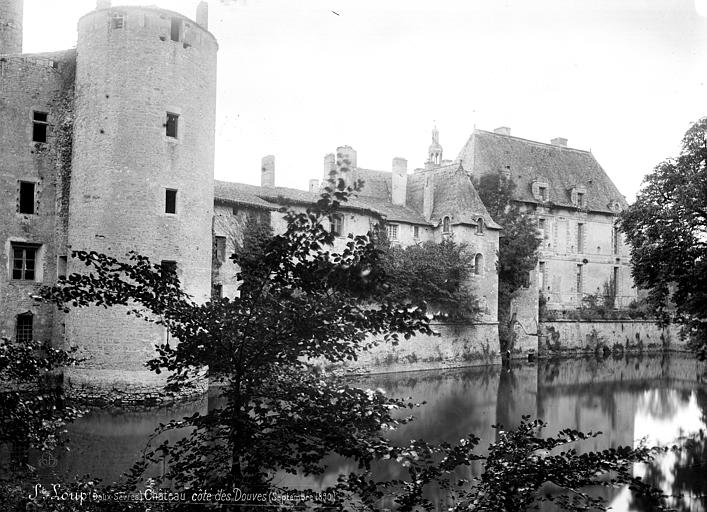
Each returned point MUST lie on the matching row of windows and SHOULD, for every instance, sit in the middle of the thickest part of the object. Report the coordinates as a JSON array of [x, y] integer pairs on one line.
[[40, 126], [579, 278], [581, 236]]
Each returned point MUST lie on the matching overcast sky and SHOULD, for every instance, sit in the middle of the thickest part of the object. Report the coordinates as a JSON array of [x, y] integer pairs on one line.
[[297, 78]]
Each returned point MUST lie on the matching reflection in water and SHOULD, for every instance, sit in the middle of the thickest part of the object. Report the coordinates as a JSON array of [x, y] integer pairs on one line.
[[625, 398]]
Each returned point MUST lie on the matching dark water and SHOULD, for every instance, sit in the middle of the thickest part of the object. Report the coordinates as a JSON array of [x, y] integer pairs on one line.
[[657, 398]]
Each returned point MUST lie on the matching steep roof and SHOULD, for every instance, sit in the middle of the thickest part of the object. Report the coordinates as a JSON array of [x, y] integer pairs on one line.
[[454, 196], [275, 197], [561, 167]]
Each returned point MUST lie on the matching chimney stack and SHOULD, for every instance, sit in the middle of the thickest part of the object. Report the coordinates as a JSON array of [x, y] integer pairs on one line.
[[267, 176], [102, 4], [314, 186], [329, 165], [559, 141], [428, 196], [345, 163], [503, 130], [399, 181], [202, 15]]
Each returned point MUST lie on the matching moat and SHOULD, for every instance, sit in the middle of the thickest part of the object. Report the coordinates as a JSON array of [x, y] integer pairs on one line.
[[629, 398]]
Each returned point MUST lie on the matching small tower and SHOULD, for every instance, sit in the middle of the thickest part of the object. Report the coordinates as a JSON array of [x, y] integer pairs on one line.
[[10, 26], [434, 154]]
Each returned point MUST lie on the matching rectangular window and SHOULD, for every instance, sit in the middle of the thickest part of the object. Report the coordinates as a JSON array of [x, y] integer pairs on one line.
[[24, 327], [217, 292], [615, 282], [337, 225], [169, 266], [172, 125], [616, 239], [27, 199], [61, 263], [176, 29], [580, 237], [416, 232], [542, 226], [580, 199], [24, 261], [220, 248], [580, 281], [40, 124], [117, 21], [392, 231], [541, 275], [542, 191], [170, 201]]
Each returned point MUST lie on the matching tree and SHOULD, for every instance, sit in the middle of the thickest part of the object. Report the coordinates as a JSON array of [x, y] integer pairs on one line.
[[518, 245], [667, 230], [298, 300], [434, 275]]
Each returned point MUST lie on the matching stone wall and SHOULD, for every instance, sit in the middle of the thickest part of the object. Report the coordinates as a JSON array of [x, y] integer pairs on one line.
[[566, 338], [458, 345], [124, 161], [31, 83]]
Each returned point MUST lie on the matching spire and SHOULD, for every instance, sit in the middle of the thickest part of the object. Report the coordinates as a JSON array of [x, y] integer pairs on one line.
[[434, 155]]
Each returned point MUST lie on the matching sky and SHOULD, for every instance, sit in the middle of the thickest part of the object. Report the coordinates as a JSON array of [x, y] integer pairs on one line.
[[297, 78]]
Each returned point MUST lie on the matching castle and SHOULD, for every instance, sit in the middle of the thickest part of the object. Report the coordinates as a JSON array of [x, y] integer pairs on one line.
[[110, 147]]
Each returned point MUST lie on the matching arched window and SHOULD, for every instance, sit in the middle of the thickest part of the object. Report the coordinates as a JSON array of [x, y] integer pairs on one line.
[[479, 264], [446, 227], [479, 226]]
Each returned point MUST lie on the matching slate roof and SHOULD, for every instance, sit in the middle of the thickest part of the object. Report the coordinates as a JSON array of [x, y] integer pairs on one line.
[[454, 196], [562, 168], [275, 197]]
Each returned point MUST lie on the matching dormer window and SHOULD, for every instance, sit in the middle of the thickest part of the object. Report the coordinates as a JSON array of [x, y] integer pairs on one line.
[[446, 225], [117, 21], [540, 190], [578, 195]]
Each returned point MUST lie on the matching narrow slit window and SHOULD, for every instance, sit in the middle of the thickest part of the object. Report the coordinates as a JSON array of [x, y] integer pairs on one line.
[[27, 199], [24, 328], [541, 275], [61, 264], [40, 125], [170, 201], [580, 238], [416, 231], [176, 29], [580, 280], [172, 125]]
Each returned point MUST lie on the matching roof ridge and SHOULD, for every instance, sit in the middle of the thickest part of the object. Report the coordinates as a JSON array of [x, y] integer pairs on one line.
[[535, 141]]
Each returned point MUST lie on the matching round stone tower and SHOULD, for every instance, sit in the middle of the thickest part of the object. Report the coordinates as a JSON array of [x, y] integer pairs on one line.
[[142, 172], [10, 26]]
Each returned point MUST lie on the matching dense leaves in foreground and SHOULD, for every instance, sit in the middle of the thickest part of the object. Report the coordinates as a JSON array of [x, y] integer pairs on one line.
[[667, 230], [277, 413]]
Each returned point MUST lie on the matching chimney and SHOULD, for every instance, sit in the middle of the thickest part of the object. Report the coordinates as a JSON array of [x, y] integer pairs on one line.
[[399, 181], [345, 157], [102, 4], [428, 196], [202, 15], [314, 186], [559, 141], [503, 130], [329, 164], [267, 176], [345, 163]]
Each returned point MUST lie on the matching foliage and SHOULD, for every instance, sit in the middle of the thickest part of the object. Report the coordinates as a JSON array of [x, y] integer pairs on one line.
[[433, 275], [667, 230], [517, 253], [33, 411], [299, 300]]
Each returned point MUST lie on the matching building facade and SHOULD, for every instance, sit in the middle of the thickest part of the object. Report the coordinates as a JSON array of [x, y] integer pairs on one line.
[[108, 147], [576, 206]]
